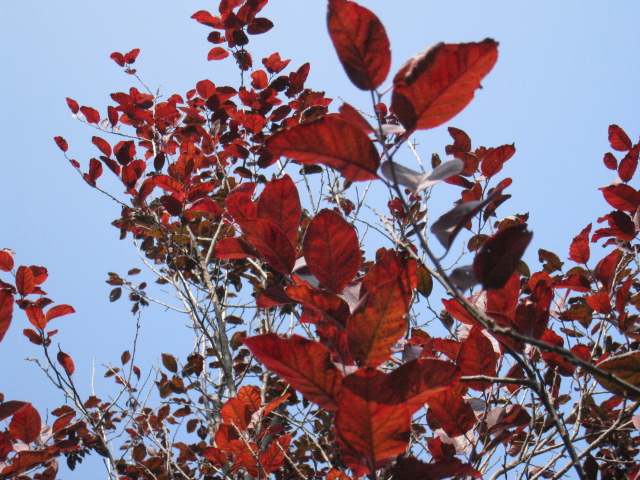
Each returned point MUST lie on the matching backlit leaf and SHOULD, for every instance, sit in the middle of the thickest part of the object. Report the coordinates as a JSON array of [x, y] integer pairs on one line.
[[235, 412], [90, 114], [332, 250], [10, 407], [25, 281], [217, 53], [492, 163], [580, 251], [67, 363], [477, 357], [25, 424], [6, 312], [62, 143], [438, 83], [618, 139], [234, 248], [270, 242], [6, 261], [626, 367], [304, 364], [628, 165], [453, 412], [279, 203], [329, 141], [59, 311], [360, 42], [102, 145], [498, 257], [36, 317], [369, 430], [623, 197], [73, 105]]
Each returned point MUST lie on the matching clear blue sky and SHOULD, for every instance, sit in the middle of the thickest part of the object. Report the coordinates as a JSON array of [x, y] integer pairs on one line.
[[566, 71]]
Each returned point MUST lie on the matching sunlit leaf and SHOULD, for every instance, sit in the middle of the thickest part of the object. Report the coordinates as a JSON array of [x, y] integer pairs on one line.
[[25, 424], [279, 203]]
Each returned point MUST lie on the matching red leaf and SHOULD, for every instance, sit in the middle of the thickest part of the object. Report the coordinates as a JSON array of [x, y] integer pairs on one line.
[[505, 300], [438, 83], [499, 255], [168, 184], [360, 42], [40, 274], [270, 242], [273, 458], [6, 312], [234, 412], [62, 421], [621, 225], [62, 143], [377, 324], [95, 171], [25, 281], [259, 80], [215, 456], [605, 270], [492, 163], [118, 58], [6, 261], [628, 165], [353, 116], [461, 142], [25, 424], [90, 114], [217, 53], [234, 248], [332, 250], [610, 161], [131, 56], [369, 431], [600, 302], [477, 357], [59, 311], [10, 407], [458, 312], [250, 395], [67, 363], [327, 305], [259, 25], [73, 105], [274, 64], [280, 204], [330, 141], [33, 337], [113, 115], [618, 139], [205, 89], [206, 18], [102, 145], [453, 412], [417, 380], [36, 317], [580, 251], [304, 364], [622, 197]]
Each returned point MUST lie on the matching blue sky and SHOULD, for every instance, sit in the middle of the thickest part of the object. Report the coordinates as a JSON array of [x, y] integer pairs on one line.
[[566, 71]]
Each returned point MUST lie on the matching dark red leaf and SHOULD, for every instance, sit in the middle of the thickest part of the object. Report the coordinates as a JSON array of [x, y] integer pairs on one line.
[[461, 142], [102, 145], [90, 114], [279, 203], [453, 412], [477, 357], [352, 115], [6, 261], [600, 302], [270, 242], [623, 197], [628, 165], [95, 171], [274, 64], [205, 89], [498, 258], [580, 251], [438, 83], [113, 115], [332, 250], [25, 424], [610, 161], [259, 80], [330, 141], [73, 105], [304, 364], [259, 25], [67, 363], [360, 42], [605, 270], [621, 225], [62, 143], [618, 139], [62, 421], [10, 407], [206, 18], [492, 163]]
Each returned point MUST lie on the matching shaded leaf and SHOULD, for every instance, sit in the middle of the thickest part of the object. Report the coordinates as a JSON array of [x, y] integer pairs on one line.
[[25, 424], [270, 242], [498, 258], [626, 367], [170, 363], [279, 203], [6, 312]]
